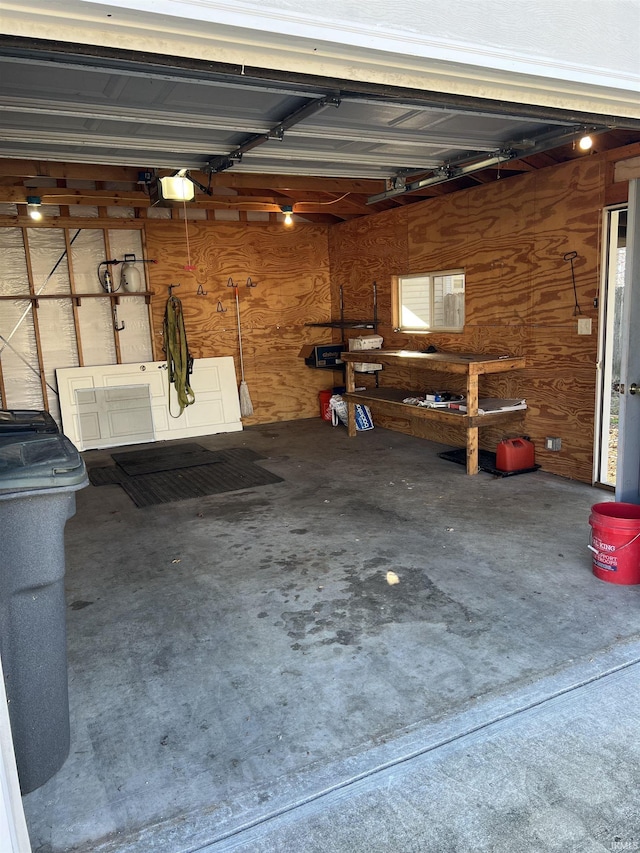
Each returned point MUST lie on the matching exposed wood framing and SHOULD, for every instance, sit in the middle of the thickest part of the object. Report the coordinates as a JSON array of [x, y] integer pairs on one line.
[[74, 302], [36, 325], [114, 312]]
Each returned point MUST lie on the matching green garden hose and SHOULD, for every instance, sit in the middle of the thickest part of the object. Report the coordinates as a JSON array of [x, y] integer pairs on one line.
[[179, 361]]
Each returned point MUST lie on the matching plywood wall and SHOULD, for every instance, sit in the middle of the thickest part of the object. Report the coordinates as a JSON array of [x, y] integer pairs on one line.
[[511, 237], [290, 268]]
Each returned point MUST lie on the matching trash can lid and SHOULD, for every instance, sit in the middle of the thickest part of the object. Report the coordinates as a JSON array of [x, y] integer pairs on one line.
[[39, 461], [26, 420]]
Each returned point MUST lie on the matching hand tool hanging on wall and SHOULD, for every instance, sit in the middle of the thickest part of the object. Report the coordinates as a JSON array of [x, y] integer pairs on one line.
[[569, 257], [246, 406], [179, 360]]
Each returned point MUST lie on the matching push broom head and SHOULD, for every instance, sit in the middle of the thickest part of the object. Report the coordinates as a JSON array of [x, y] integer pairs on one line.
[[246, 406]]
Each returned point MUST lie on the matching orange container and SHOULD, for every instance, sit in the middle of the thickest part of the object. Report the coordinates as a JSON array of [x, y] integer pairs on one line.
[[514, 454], [325, 410], [615, 542]]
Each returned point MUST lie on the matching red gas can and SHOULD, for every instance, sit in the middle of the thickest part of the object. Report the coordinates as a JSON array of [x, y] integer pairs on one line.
[[514, 454]]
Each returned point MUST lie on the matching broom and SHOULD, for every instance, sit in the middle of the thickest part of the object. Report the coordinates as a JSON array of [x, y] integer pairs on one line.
[[246, 406]]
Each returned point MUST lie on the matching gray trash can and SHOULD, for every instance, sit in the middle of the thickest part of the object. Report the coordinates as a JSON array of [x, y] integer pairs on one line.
[[26, 420], [39, 475]]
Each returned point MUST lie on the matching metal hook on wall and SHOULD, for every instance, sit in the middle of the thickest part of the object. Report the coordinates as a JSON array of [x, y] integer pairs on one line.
[[251, 283], [201, 291], [118, 327], [569, 256], [230, 282], [220, 309], [172, 287]]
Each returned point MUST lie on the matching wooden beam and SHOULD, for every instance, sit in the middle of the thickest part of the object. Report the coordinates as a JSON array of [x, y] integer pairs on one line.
[[230, 179], [36, 325], [627, 170], [280, 183], [351, 203], [64, 195], [80, 171], [624, 153], [133, 198], [74, 302]]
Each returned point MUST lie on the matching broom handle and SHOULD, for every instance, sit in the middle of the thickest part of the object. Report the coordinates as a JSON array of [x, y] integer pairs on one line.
[[239, 336]]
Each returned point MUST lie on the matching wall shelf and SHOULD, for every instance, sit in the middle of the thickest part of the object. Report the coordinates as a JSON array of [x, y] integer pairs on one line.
[[78, 297], [352, 324]]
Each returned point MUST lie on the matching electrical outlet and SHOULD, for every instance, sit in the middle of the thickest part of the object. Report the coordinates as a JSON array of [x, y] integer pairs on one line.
[[584, 326], [553, 443]]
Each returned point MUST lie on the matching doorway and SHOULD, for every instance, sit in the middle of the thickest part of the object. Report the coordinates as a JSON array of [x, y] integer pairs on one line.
[[615, 252]]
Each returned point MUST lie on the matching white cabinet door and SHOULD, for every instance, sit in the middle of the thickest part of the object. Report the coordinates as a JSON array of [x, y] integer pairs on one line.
[[120, 416]]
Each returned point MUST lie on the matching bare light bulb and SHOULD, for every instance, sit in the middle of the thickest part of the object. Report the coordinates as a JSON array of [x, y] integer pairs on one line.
[[585, 143], [288, 219], [33, 207]]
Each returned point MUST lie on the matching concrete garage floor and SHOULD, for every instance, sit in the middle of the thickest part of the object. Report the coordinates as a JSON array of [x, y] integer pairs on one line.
[[242, 676]]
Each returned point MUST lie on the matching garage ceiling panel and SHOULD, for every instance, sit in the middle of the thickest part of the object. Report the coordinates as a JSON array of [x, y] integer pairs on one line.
[[128, 115]]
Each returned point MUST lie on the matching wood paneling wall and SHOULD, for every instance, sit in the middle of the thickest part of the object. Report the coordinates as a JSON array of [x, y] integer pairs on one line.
[[511, 237], [290, 268]]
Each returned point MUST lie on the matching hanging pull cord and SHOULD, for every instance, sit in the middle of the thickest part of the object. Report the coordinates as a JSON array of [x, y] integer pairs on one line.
[[179, 361]]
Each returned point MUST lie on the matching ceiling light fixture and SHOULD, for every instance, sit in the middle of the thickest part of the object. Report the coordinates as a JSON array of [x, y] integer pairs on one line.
[[287, 209], [177, 187], [585, 142], [33, 207]]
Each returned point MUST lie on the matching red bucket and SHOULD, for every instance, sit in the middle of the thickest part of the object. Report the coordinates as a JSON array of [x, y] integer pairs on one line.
[[615, 542], [325, 411]]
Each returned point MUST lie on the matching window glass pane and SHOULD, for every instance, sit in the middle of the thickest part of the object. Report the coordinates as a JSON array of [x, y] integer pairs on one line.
[[415, 299], [432, 301]]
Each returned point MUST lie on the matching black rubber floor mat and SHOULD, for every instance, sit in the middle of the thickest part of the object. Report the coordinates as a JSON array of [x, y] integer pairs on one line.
[[178, 456], [195, 482], [109, 476], [157, 459], [486, 462]]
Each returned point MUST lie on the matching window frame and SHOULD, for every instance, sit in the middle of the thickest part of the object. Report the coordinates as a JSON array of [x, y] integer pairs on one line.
[[397, 282]]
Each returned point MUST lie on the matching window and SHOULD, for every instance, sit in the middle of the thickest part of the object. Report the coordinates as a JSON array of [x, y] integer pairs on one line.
[[430, 302]]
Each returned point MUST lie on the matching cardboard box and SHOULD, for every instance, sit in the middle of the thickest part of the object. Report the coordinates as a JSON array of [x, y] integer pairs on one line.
[[365, 342], [322, 355]]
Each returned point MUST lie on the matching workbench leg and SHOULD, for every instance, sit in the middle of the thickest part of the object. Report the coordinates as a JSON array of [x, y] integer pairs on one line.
[[472, 450], [472, 432], [350, 382]]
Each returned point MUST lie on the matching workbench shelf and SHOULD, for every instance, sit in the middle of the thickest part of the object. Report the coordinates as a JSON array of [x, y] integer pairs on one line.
[[389, 400]]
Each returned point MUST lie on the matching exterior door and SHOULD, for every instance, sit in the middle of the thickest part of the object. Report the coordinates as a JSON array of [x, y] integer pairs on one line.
[[612, 290], [628, 465]]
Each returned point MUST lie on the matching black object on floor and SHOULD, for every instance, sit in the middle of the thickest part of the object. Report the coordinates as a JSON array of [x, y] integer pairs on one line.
[[155, 483], [486, 462], [110, 476], [170, 458]]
